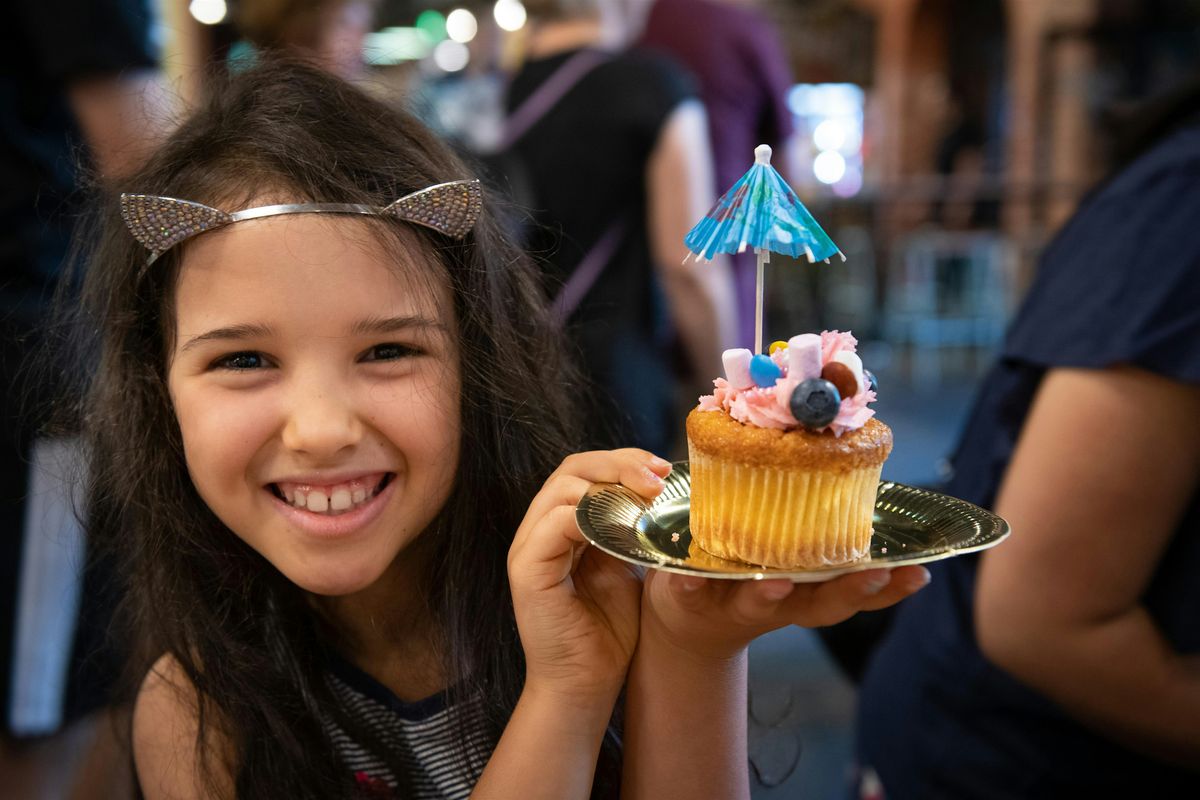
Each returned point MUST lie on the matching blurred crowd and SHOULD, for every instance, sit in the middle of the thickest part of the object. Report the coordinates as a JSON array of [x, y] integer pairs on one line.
[[1064, 661]]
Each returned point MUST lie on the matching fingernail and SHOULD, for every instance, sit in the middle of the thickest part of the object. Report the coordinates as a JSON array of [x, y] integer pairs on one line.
[[690, 584], [876, 583], [921, 580], [660, 465], [651, 476]]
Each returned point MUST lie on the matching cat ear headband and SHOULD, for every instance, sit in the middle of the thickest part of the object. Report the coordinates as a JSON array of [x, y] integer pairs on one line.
[[160, 223]]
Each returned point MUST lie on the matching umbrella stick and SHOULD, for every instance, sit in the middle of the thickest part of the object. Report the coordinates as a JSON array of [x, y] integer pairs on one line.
[[761, 256]]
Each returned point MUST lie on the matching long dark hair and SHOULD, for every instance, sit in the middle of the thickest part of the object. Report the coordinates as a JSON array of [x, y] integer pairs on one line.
[[242, 633]]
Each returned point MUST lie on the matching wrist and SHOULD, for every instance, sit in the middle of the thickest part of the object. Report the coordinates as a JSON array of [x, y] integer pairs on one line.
[[586, 706]]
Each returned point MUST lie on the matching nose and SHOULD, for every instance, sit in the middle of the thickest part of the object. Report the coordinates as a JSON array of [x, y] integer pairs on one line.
[[321, 419]]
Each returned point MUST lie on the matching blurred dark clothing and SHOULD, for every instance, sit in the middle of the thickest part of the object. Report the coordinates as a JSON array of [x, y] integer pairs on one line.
[[744, 76], [1119, 285], [45, 47], [586, 162]]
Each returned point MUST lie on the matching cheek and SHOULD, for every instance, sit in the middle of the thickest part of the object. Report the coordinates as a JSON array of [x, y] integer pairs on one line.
[[423, 423], [219, 438]]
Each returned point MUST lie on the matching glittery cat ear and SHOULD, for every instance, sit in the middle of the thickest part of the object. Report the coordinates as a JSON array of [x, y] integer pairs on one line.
[[449, 208], [160, 223]]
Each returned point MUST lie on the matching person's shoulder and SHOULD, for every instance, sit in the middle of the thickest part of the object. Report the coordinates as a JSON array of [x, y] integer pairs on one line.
[[166, 731], [649, 69], [643, 62], [1175, 159]]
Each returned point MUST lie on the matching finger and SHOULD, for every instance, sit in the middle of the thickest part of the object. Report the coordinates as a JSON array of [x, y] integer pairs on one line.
[[905, 581], [640, 470], [546, 555], [561, 489], [757, 604], [686, 591], [817, 605]]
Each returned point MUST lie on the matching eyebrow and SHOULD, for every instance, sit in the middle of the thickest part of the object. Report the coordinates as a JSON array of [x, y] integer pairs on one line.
[[377, 325], [228, 333], [365, 327]]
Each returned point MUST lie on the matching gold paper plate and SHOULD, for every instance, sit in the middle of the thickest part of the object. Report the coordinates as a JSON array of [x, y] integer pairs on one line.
[[911, 526]]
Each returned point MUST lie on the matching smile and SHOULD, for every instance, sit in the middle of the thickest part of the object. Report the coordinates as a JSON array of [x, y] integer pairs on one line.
[[332, 500]]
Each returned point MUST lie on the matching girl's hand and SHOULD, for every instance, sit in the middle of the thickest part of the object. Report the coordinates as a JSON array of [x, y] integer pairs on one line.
[[718, 618], [576, 608]]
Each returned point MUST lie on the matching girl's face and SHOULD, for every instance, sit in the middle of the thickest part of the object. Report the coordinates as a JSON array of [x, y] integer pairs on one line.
[[317, 390]]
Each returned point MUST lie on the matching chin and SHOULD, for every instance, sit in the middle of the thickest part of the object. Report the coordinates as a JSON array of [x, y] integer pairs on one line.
[[333, 581]]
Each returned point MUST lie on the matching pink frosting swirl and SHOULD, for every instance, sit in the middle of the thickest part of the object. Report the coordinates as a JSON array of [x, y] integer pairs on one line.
[[770, 408]]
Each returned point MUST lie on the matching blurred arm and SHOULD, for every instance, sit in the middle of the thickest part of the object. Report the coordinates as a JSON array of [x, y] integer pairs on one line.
[[701, 295], [1103, 472]]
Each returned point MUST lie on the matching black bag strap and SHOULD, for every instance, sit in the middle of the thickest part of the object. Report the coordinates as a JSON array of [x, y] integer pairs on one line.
[[546, 96], [524, 117], [588, 271]]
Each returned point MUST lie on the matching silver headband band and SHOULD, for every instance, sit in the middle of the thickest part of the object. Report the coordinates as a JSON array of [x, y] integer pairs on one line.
[[160, 223]]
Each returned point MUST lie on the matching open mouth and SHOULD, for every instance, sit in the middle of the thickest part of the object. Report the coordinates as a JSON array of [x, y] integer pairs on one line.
[[334, 499]]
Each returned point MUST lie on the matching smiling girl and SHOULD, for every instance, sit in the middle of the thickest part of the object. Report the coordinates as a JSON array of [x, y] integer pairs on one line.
[[322, 425]]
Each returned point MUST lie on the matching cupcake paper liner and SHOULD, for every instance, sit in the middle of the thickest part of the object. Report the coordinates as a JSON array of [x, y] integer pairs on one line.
[[778, 517]]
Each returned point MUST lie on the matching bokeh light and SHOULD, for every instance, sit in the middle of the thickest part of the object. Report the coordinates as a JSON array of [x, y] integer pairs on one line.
[[451, 56], [829, 166], [461, 25], [433, 24], [830, 134], [509, 14], [208, 12]]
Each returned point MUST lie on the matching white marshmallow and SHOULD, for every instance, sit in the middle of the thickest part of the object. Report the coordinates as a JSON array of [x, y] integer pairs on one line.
[[804, 356], [855, 364], [737, 367]]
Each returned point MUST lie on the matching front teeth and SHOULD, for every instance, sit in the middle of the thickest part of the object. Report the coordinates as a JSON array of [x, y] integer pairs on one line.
[[329, 500]]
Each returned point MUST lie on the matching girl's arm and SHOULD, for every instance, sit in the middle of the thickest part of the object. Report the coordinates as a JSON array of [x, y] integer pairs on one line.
[[577, 614], [679, 192], [685, 707], [165, 733], [1104, 469]]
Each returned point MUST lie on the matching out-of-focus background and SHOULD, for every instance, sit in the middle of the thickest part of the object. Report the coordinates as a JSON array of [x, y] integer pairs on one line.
[[939, 142]]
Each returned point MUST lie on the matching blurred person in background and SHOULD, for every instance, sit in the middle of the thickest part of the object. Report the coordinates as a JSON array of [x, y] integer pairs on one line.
[[1066, 661], [612, 147], [79, 95], [328, 33], [744, 76]]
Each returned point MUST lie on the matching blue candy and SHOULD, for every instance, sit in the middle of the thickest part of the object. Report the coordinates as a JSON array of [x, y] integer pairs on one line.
[[764, 372], [815, 403], [872, 384]]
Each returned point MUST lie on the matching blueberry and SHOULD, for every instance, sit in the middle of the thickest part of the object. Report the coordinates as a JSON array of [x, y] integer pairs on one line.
[[872, 384], [815, 403], [764, 371]]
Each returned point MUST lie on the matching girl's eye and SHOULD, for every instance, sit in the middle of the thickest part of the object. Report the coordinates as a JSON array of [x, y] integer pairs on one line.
[[241, 361], [390, 352]]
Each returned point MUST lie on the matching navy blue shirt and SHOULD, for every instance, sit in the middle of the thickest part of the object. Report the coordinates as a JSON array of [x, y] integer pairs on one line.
[[1119, 285]]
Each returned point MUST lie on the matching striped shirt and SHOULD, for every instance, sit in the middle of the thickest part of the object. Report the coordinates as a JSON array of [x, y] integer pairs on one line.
[[426, 737]]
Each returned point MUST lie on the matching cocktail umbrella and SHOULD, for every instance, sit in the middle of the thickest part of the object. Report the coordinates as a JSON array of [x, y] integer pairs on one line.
[[760, 211]]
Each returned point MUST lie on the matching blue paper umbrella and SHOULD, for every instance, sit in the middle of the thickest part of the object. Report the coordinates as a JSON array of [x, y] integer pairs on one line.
[[760, 211]]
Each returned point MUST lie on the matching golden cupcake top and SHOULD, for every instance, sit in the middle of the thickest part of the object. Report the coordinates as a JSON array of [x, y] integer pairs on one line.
[[722, 435]]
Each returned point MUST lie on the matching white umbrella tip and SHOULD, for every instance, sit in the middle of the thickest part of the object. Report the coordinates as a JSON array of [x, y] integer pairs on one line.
[[762, 154]]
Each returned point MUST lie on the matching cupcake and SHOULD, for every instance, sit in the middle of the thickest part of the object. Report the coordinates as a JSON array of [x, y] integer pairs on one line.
[[785, 455]]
